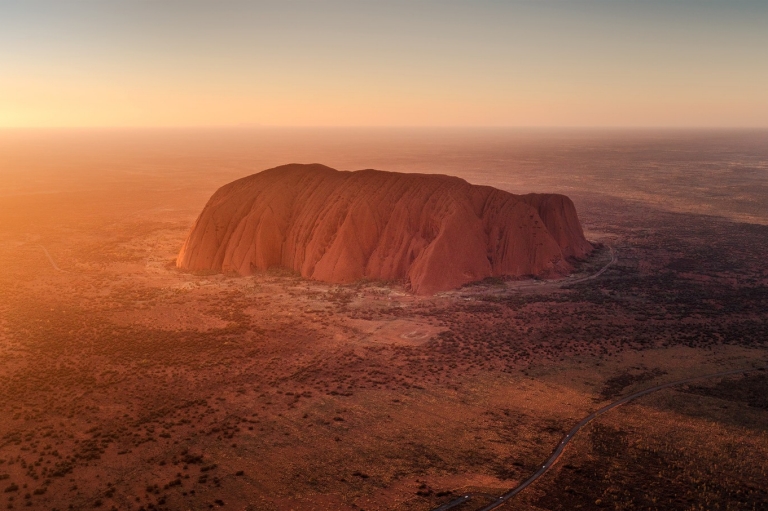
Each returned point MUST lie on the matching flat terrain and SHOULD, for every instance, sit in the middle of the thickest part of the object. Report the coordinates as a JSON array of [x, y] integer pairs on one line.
[[127, 384]]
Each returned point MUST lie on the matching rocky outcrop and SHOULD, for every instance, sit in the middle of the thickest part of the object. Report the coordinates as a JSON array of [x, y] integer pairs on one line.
[[435, 232]]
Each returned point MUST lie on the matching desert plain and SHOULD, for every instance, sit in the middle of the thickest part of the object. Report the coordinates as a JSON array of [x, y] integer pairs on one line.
[[126, 383]]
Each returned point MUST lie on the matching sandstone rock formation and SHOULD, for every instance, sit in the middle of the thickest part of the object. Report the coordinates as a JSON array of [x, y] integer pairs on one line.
[[435, 232]]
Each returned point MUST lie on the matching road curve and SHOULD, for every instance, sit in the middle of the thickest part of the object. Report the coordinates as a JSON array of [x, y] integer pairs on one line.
[[614, 258], [569, 436], [50, 259], [554, 284]]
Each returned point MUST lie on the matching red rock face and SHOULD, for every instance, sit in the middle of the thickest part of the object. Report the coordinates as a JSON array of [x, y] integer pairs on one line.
[[435, 232]]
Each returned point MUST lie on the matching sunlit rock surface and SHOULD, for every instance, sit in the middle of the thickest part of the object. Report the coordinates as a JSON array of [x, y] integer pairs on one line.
[[435, 232]]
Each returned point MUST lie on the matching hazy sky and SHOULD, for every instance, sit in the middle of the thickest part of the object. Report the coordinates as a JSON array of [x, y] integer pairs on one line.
[[389, 62]]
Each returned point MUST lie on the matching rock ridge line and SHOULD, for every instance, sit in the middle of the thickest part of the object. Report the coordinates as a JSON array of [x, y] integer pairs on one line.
[[434, 232]]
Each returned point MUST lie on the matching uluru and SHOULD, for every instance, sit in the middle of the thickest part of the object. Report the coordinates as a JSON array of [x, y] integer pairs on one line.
[[432, 232]]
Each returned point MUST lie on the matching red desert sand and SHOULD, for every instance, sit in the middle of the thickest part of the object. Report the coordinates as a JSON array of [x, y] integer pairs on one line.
[[435, 232]]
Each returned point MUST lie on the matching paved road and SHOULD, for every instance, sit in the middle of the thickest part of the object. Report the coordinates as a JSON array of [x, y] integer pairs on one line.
[[569, 436], [53, 263], [552, 284], [614, 257]]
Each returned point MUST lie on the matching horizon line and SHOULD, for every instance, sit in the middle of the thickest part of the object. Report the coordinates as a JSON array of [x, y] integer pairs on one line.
[[390, 126]]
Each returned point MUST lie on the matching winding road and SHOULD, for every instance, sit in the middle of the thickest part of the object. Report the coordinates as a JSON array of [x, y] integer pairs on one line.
[[614, 258], [553, 284], [53, 263], [569, 436]]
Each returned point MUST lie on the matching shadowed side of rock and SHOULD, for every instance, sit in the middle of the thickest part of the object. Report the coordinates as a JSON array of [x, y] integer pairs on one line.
[[435, 232]]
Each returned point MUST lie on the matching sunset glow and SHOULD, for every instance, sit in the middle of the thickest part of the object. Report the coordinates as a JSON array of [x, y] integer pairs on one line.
[[429, 63], [383, 255]]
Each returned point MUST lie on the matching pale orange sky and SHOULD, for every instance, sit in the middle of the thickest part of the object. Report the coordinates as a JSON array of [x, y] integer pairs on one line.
[[395, 63]]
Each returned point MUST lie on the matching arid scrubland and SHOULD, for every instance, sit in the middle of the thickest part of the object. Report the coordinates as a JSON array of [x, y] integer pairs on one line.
[[127, 384]]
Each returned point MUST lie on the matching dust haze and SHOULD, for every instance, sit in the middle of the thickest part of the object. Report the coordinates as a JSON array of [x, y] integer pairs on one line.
[[127, 383]]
